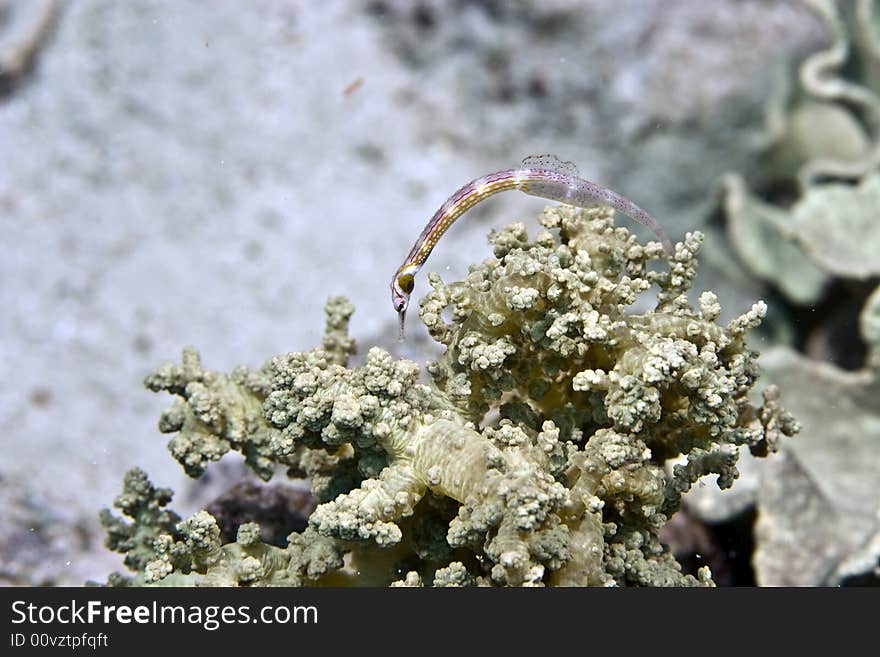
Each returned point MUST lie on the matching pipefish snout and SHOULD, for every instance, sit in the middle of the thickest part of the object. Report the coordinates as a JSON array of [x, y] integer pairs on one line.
[[545, 176]]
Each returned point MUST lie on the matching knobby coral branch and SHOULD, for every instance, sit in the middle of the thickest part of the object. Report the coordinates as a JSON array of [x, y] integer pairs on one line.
[[555, 437]]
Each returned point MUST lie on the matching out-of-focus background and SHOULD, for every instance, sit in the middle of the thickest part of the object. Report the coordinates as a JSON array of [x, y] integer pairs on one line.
[[176, 173]]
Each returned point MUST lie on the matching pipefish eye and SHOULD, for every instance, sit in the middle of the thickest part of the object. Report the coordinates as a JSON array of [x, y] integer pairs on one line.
[[406, 282]]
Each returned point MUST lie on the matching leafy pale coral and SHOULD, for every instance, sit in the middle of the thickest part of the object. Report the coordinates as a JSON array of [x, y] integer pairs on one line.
[[765, 238], [826, 126], [837, 223], [817, 502], [555, 438], [819, 174], [831, 496], [823, 139], [833, 229], [869, 325]]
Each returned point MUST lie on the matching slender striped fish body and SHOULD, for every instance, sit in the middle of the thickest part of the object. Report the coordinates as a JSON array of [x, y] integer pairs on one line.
[[455, 206], [544, 176]]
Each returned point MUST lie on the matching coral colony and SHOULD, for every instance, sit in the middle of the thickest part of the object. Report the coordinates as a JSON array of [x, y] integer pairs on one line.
[[552, 441]]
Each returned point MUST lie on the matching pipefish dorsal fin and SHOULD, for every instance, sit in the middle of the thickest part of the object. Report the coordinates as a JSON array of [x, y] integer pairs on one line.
[[550, 162]]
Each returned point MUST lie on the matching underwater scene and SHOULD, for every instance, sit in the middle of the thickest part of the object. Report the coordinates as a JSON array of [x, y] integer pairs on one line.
[[432, 293]]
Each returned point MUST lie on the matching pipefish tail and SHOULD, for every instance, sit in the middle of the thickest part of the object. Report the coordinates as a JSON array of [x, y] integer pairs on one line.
[[545, 176]]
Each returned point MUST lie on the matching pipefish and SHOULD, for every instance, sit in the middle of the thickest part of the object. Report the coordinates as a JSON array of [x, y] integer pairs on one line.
[[545, 176]]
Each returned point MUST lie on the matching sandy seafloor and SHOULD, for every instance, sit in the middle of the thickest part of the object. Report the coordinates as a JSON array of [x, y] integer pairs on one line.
[[176, 173]]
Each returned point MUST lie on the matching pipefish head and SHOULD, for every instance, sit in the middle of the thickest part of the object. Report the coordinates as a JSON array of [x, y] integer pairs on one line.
[[401, 288]]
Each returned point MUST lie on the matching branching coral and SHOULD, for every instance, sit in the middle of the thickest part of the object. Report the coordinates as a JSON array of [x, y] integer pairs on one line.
[[555, 437]]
